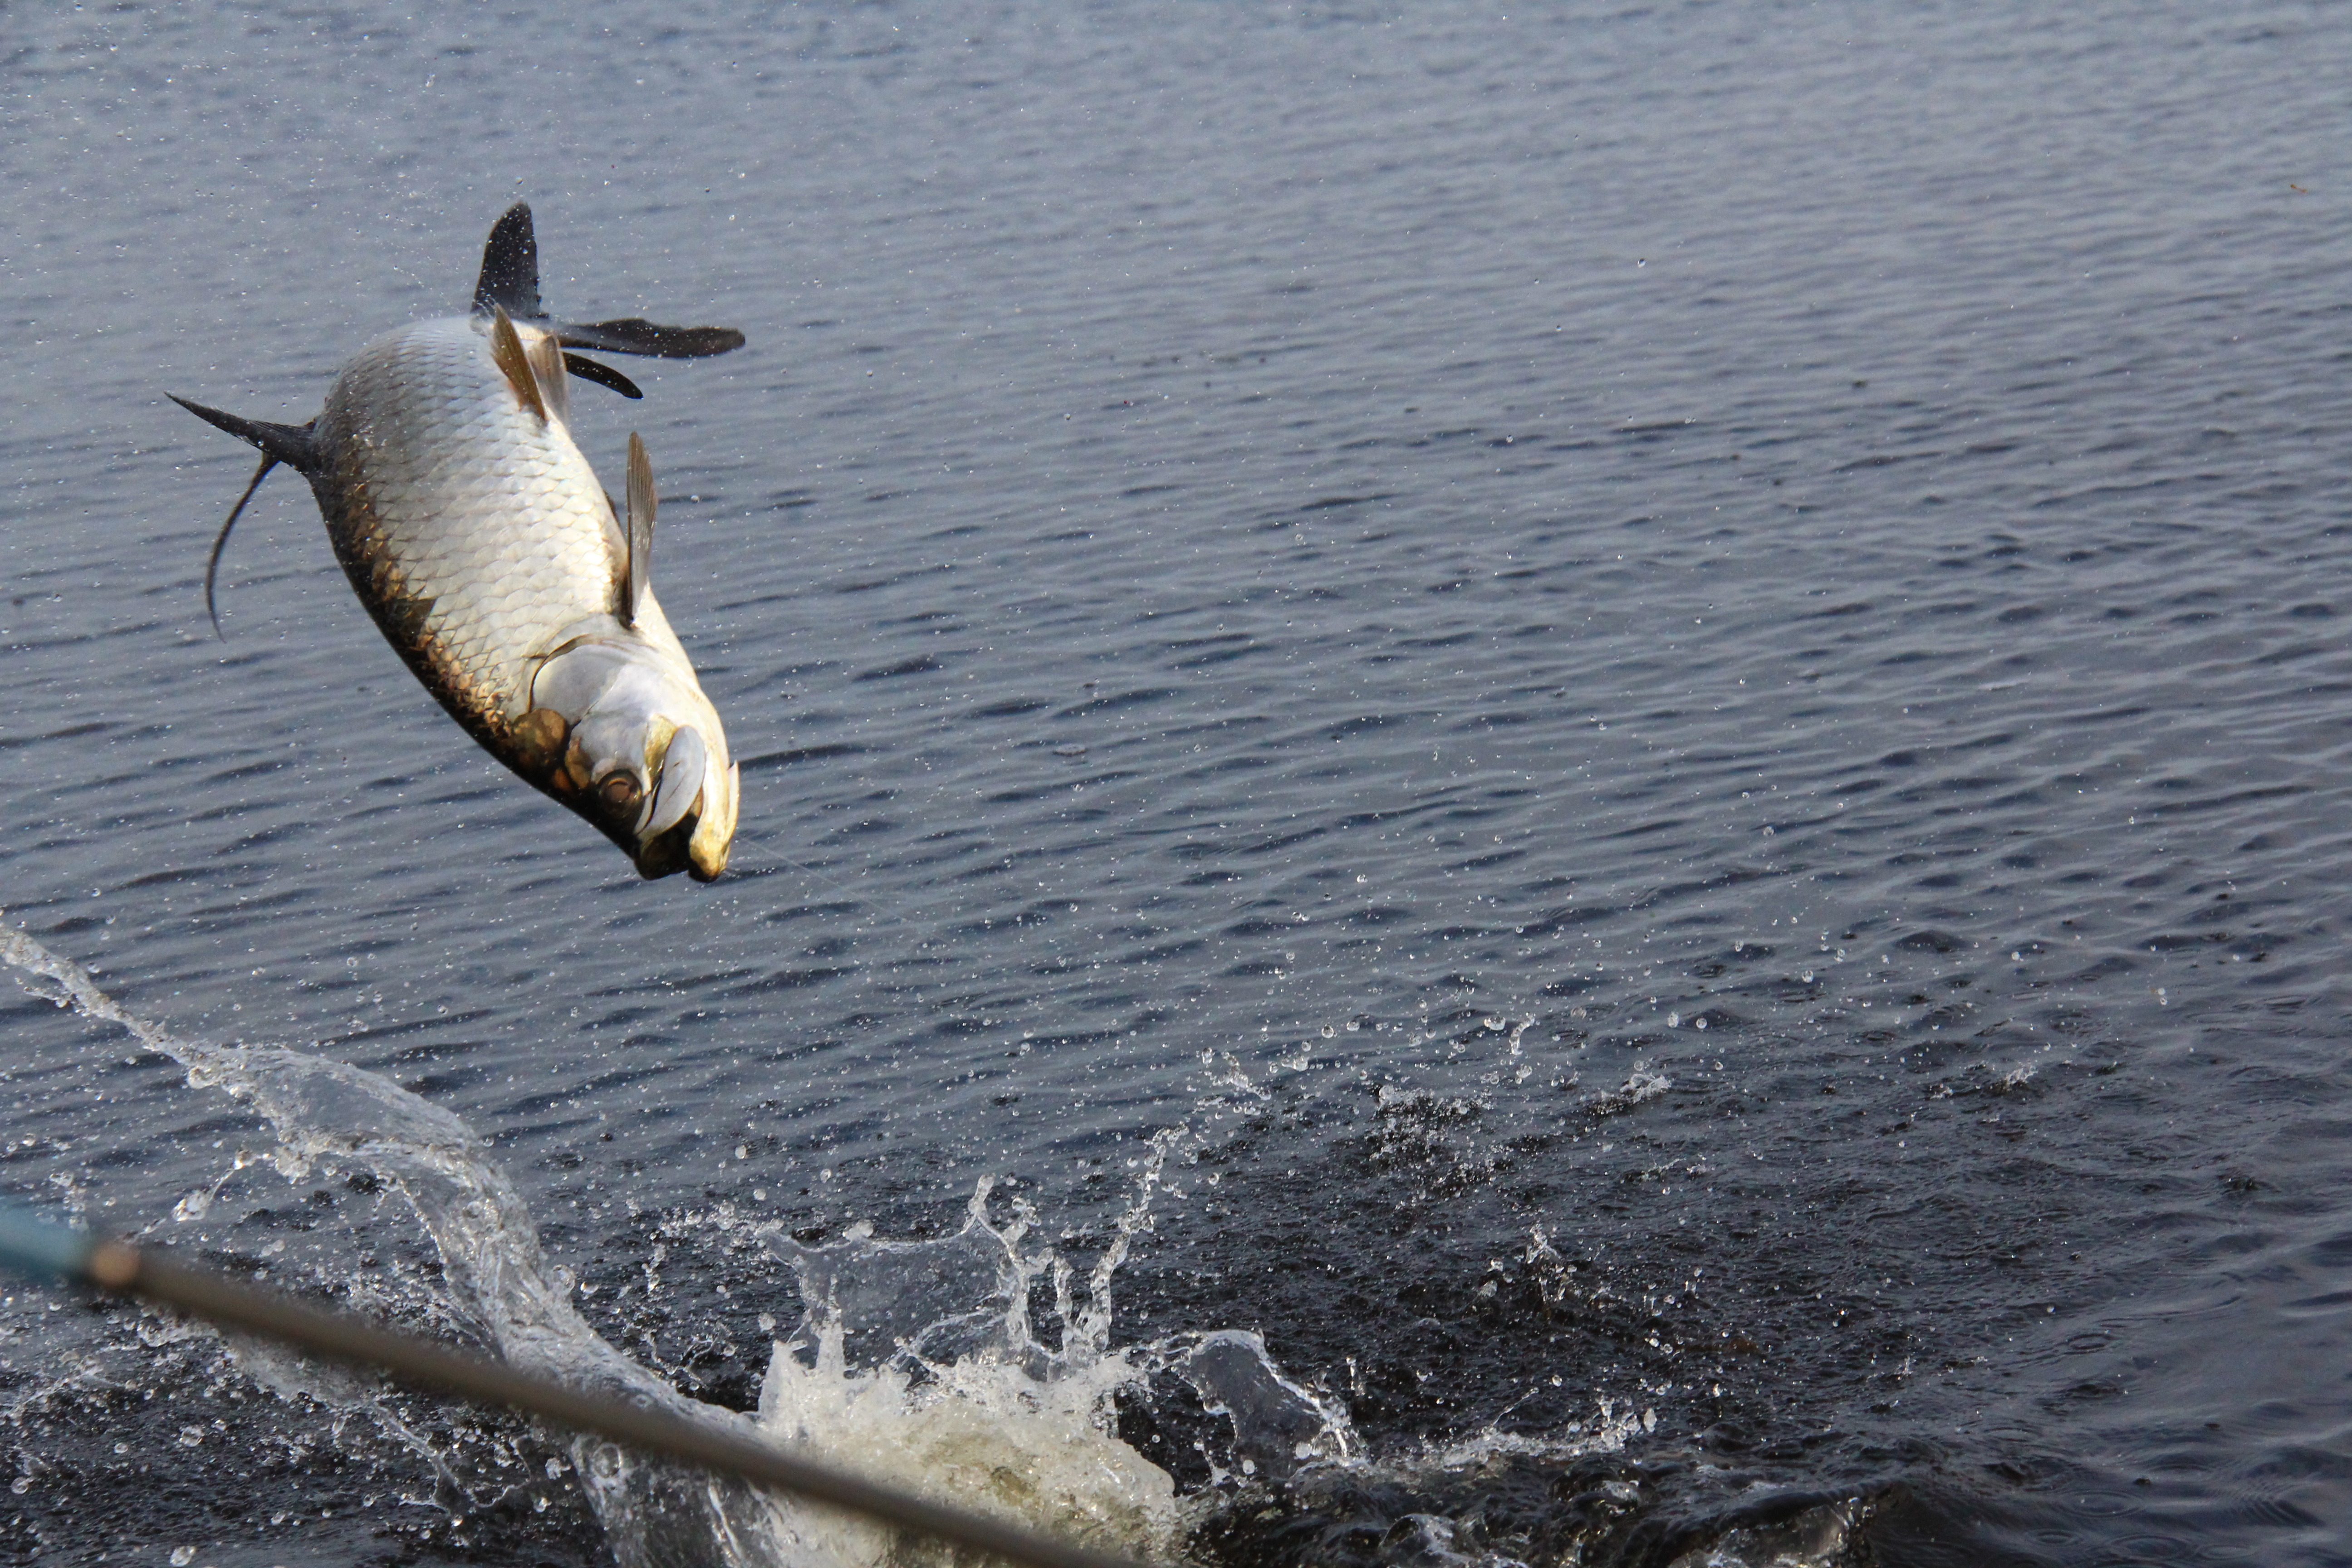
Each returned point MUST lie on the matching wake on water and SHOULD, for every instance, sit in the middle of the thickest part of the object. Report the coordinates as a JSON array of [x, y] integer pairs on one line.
[[918, 1363]]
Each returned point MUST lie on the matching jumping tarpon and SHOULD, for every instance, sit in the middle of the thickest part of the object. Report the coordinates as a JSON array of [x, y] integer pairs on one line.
[[479, 539]]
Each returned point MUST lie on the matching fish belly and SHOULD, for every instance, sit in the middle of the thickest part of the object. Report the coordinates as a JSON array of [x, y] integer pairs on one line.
[[474, 532]]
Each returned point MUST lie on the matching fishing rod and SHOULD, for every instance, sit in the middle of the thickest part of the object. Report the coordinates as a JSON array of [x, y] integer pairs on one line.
[[39, 1249]]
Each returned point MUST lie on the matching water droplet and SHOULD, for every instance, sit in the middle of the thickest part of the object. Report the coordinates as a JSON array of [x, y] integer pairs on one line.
[[1674, 1020], [182, 1555]]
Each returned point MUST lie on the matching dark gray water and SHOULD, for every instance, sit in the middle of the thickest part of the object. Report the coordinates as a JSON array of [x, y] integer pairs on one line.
[[1671, 676]]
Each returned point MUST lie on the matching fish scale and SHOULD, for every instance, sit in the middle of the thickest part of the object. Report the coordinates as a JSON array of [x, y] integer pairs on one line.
[[434, 456]]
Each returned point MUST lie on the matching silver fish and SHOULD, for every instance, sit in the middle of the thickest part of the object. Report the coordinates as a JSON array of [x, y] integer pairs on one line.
[[519, 594]]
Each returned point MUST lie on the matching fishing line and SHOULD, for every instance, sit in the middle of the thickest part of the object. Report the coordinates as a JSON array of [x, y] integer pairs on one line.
[[779, 861]]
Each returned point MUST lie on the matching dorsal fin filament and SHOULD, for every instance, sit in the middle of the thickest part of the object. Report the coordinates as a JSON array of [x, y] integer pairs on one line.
[[287, 444], [220, 542]]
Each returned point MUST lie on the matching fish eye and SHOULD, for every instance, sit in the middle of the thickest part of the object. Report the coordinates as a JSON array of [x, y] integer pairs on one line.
[[619, 791]]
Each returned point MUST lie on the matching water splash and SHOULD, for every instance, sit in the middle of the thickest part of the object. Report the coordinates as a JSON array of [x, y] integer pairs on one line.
[[328, 1113], [970, 1367], [916, 1362], [923, 1362]]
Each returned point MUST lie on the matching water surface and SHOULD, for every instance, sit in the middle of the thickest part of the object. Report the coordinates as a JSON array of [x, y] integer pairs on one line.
[[1664, 681]]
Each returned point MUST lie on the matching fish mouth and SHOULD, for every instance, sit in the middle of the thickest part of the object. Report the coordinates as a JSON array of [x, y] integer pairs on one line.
[[670, 830], [669, 852], [707, 867], [663, 828], [650, 786], [663, 850]]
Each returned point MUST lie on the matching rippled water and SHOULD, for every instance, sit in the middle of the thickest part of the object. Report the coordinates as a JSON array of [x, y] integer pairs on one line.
[[1661, 687]]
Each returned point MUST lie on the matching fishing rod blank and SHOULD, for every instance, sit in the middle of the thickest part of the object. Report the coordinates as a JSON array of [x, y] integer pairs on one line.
[[36, 1247]]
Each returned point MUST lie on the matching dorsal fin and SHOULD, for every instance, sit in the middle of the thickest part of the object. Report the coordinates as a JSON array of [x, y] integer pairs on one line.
[[510, 278], [506, 348], [641, 531]]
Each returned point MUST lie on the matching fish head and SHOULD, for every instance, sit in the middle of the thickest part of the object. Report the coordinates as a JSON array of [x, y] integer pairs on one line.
[[625, 738]]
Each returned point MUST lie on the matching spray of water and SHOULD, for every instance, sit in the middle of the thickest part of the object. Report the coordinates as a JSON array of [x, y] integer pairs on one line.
[[916, 1362], [970, 1367]]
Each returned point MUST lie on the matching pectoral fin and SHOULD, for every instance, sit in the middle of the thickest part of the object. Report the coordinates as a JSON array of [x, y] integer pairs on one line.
[[514, 363], [642, 502]]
